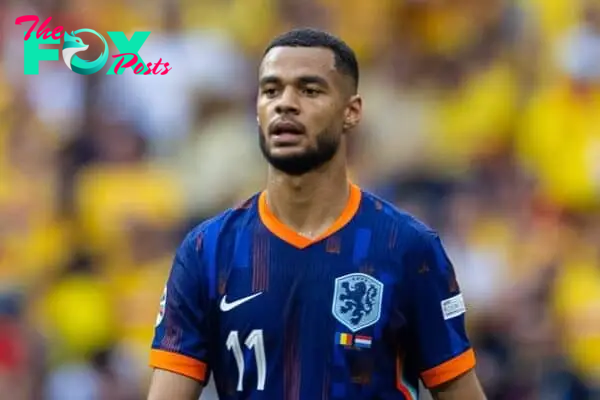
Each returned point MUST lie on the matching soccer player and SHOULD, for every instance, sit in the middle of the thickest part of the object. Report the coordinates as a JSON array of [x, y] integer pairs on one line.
[[312, 289]]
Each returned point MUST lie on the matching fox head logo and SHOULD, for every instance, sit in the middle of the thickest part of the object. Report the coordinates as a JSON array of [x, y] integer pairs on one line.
[[73, 45]]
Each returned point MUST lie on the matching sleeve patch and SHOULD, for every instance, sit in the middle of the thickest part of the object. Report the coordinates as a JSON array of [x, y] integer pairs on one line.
[[453, 307]]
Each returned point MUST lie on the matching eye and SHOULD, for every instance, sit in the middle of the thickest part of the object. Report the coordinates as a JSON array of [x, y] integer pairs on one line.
[[269, 92], [311, 92]]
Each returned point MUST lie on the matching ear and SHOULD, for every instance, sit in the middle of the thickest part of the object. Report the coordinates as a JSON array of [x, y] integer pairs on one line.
[[353, 112]]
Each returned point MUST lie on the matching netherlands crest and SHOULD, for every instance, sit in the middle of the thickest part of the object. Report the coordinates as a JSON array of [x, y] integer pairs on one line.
[[357, 300]]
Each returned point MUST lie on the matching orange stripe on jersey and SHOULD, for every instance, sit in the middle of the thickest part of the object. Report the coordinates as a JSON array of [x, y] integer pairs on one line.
[[449, 370], [402, 388], [292, 237], [178, 363]]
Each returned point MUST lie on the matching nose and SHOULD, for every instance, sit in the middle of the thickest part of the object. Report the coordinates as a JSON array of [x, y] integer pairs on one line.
[[288, 103]]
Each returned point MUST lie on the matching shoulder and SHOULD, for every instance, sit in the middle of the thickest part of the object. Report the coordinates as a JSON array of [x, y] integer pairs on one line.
[[407, 231], [414, 247], [197, 254], [229, 221]]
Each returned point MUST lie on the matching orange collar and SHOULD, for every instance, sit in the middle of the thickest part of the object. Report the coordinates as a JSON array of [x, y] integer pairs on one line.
[[292, 237]]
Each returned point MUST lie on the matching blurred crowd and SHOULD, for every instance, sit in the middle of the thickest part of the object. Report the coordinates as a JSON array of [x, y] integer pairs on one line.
[[481, 117]]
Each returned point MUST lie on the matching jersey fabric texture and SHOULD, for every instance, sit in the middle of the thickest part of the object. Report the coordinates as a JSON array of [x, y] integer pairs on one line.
[[362, 312]]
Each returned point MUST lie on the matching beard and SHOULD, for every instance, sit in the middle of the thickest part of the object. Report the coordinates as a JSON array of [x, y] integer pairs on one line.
[[327, 145]]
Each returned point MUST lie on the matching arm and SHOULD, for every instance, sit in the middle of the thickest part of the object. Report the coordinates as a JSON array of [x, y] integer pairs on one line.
[[464, 387], [179, 353], [168, 385], [437, 314]]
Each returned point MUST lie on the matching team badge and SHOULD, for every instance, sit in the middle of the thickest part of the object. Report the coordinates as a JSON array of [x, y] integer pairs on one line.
[[357, 300], [161, 310]]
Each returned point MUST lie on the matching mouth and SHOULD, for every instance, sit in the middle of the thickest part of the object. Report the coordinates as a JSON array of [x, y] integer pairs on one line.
[[286, 128], [286, 133]]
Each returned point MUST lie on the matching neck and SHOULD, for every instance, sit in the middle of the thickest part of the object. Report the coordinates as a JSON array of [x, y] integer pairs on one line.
[[311, 203]]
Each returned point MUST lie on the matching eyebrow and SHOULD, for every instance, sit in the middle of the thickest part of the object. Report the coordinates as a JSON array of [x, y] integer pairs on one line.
[[304, 80]]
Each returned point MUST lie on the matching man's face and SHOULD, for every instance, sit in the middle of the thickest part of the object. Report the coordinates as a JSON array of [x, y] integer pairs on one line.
[[304, 107]]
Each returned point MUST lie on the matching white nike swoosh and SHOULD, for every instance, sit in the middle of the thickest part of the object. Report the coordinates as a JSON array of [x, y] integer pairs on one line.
[[225, 306]]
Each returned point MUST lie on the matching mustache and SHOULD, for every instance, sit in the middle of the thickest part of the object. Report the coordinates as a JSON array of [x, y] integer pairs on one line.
[[286, 125]]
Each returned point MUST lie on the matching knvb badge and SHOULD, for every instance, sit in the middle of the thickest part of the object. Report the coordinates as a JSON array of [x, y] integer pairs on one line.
[[128, 56]]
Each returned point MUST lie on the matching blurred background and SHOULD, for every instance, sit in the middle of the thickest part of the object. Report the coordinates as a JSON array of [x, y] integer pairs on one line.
[[482, 117]]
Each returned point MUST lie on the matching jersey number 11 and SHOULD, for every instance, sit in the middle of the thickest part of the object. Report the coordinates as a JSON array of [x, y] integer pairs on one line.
[[253, 341]]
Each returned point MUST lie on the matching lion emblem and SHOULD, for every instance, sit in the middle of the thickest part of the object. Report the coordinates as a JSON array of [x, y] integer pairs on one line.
[[357, 300]]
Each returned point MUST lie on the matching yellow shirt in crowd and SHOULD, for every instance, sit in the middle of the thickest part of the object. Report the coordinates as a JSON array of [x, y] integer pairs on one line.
[[108, 198], [560, 142], [577, 307], [475, 118], [136, 290], [78, 316]]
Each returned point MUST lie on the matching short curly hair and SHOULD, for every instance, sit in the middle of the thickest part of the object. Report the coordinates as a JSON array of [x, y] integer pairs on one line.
[[345, 58]]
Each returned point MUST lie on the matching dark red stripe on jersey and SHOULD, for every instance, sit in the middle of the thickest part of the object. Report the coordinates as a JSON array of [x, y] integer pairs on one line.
[[393, 236], [367, 269], [333, 245], [199, 241], [291, 362], [172, 339], [295, 394], [260, 262], [326, 383], [222, 285]]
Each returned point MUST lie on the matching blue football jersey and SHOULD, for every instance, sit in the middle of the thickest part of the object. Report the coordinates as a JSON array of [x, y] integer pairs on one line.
[[362, 312]]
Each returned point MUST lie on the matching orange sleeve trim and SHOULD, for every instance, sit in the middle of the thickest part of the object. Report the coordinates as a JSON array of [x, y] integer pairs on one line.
[[178, 363], [449, 370]]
